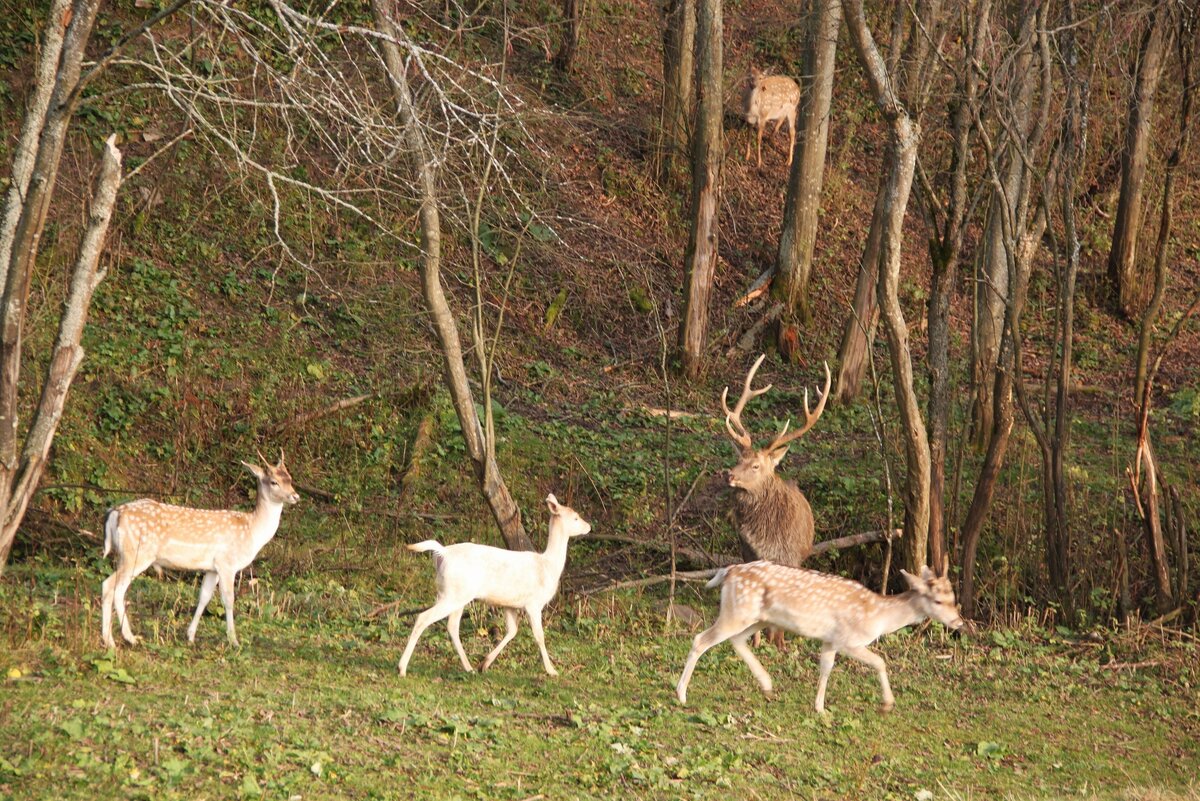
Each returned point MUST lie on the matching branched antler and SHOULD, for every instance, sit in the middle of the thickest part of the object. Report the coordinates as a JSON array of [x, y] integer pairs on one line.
[[733, 420]]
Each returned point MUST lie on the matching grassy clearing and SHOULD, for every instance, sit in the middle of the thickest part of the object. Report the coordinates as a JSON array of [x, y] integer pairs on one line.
[[311, 706]]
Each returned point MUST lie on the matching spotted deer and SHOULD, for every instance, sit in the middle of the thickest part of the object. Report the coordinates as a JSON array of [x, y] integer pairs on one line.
[[512, 580], [773, 518], [219, 543], [843, 614], [770, 98]]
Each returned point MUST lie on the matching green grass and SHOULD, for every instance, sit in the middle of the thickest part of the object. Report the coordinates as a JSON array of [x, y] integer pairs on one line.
[[312, 707]]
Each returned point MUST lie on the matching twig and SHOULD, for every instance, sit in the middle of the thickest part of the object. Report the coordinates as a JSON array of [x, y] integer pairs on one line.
[[757, 289], [308, 417], [699, 575]]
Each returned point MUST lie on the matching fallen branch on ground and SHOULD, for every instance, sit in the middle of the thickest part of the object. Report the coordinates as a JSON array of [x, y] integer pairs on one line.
[[722, 559]]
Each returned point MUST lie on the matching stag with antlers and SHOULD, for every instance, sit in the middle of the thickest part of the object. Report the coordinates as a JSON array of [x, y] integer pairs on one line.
[[774, 520]]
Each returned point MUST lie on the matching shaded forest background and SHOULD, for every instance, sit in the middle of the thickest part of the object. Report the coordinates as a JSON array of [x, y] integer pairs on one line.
[[248, 306]]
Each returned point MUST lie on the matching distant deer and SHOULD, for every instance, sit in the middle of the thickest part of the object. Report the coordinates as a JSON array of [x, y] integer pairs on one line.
[[220, 543], [770, 98], [774, 520], [509, 579], [843, 614]]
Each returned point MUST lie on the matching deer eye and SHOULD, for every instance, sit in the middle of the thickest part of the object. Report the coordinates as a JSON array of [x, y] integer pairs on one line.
[[758, 467]]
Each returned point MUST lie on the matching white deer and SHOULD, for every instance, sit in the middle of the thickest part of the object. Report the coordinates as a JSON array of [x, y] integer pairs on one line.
[[146, 533], [512, 580], [843, 614]]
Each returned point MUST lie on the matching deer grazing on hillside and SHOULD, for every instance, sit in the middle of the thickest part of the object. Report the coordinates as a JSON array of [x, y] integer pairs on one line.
[[770, 98], [774, 520], [511, 580], [145, 533], [843, 614]]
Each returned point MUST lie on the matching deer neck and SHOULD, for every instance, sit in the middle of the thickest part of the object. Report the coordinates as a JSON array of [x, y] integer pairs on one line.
[[264, 521], [900, 611], [752, 500], [556, 545]]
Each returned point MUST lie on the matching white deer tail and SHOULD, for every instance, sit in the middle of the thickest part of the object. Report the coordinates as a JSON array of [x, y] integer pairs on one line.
[[716, 580], [111, 541], [428, 545]]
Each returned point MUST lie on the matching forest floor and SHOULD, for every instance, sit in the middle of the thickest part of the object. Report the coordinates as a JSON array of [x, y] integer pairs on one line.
[[312, 707]]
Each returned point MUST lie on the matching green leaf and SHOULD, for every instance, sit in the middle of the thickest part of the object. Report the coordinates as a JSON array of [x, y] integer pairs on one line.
[[250, 788], [988, 749], [73, 728], [555, 309]]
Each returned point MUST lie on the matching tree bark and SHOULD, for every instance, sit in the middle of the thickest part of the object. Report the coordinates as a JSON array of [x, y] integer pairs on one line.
[[68, 352], [35, 172], [991, 281], [1129, 285], [707, 152], [802, 205], [503, 507], [679, 95], [901, 159], [564, 59], [858, 333], [945, 254]]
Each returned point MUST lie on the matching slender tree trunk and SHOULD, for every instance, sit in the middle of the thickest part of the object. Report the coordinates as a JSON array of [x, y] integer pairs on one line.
[[1143, 373], [504, 509], [679, 95], [1129, 285], [68, 352], [858, 333], [803, 203], [707, 151], [36, 163], [945, 256], [564, 59], [901, 159], [991, 281]]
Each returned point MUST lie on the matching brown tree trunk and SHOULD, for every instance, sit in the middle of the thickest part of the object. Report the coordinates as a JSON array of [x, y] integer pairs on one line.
[[803, 203], [944, 256], [68, 352], [1144, 374], [679, 94], [504, 509], [707, 151], [858, 333], [900, 160], [1130, 286], [991, 281], [564, 59]]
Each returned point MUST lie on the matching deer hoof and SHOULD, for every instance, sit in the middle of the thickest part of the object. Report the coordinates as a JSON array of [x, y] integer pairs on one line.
[[887, 707]]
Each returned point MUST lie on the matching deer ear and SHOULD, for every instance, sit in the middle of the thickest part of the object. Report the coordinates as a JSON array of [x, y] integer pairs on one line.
[[253, 468], [927, 574], [778, 454], [552, 504], [914, 583]]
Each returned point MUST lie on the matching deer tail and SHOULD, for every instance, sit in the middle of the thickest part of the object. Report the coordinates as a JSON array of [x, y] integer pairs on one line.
[[716, 580], [428, 545], [111, 540]]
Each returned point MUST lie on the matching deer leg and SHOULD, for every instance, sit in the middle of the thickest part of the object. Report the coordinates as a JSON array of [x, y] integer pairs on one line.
[[761, 126], [121, 585], [207, 586], [225, 582], [791, 121], [828, 653], [433, 614], [872, 659], [452, 625], [106, 604], [715, 634], [743, 650], [510, 631], [535, 623]]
